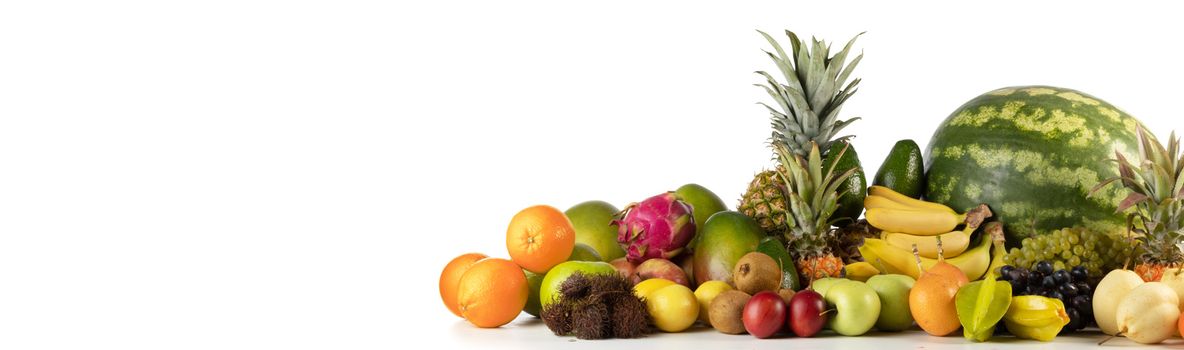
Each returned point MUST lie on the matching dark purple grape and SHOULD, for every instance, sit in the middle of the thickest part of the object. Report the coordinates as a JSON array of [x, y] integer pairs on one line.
[[1044, 268], [1035, 278], [1080, 274], [1061, 276], [1005, 272], [1016, 275], [1076, 322], [1068, 290], [1048, 282], [1000, 330], [1082, 304], [1056, 295], [1017, 288], [1084, 288]]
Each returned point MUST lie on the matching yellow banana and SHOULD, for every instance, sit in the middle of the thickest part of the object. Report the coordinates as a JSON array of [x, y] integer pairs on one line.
[[922, 223], [953, 243], [883, 202], [871, 257], [998, 250], [906, 200], [973, 262], [860, 271]]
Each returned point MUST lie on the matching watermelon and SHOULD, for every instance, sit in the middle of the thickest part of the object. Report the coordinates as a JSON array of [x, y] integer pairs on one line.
[[1032, 153]]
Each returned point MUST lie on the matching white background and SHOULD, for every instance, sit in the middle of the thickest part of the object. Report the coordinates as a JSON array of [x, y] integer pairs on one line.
[[294, 174]]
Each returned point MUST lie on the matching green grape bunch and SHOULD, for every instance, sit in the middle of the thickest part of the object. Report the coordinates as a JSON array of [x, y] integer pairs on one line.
[[1098, 252]]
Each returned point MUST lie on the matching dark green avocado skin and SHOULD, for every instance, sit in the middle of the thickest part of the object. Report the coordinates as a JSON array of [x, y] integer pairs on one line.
[[774, 248], [854, 189], [903, 170]]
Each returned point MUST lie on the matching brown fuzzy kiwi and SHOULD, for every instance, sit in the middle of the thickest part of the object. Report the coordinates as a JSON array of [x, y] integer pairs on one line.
[[726, 310], [786, 295], [756, 272]]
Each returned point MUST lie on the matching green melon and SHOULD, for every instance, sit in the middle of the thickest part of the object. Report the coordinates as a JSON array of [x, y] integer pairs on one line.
[[1032, 153]]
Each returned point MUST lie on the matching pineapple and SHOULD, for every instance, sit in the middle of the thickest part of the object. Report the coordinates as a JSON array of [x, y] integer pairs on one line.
[[764, 201], [806, 117], [1156, 183], [810, 192]]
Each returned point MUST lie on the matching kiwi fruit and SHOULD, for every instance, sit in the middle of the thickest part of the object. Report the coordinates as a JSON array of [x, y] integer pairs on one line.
[[726, 312], [757, 272], [786, 295]]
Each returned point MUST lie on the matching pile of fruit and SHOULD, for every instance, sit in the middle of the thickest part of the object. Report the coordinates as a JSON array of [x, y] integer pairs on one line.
[[1073, 186]]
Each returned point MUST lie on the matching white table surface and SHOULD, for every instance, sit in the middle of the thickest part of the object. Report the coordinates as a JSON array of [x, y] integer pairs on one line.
[[529, 333]]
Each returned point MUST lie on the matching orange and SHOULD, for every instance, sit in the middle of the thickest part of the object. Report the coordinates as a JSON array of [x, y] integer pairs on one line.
[[539, 238], [492, 293], [450, 278]]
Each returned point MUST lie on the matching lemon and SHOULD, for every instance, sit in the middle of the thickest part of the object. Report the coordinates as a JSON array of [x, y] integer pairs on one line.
[[673, 308], [650, 285], [706, 293]]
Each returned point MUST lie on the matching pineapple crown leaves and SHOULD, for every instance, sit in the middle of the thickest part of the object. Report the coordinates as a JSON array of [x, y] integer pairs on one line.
[[1156, 185], [813, 196], [813, 94]]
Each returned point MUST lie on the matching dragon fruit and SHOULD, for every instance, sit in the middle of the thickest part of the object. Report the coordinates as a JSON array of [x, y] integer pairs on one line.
[[658, 227]]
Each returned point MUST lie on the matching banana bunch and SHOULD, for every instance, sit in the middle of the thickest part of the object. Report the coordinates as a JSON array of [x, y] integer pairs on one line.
[[973, 262], [986, 255], [1035, 317], [906, 222], [891, 211], [954, 242]]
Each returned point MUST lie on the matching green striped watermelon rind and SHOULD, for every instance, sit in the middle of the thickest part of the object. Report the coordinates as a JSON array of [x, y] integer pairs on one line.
[[1032, 153]]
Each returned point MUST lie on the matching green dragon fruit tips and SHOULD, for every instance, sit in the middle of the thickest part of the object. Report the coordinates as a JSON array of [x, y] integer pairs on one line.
[[658, 227]]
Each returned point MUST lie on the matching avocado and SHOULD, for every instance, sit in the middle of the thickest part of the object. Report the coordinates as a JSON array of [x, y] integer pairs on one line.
[[854, 189], [903, 170], [775, 249]]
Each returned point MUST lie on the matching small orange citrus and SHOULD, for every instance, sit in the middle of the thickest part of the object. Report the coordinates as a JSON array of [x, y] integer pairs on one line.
[[492, 293], [450, 278], [539, 238]]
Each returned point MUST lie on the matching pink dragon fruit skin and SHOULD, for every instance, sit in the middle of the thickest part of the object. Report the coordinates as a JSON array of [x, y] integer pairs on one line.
[[658, 227]]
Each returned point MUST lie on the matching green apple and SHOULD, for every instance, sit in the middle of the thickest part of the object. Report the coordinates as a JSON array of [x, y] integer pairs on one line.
[[533, 281], [856, 307], [582, 252], [593, 223], [893, 291], [821, 285], [550, 285]]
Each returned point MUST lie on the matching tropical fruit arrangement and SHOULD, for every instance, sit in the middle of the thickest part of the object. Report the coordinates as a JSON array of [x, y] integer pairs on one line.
[[1035, 211]]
